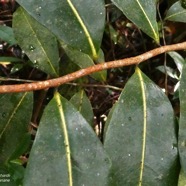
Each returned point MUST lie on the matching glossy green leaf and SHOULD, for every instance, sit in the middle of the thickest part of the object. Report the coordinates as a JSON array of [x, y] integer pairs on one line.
[[178, 59], [83, 105], [182, 124], [6, 34], [66, 150], [169, 71], [39, 44], [83, 61], [79, 24], [140, 136], [176, 13], [15, 115], [142, 13]]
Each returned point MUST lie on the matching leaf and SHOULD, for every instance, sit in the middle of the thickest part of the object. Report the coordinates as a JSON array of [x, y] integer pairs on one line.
[[6, 34], [83, 105], [16, 173], [178, 59], [176, 13], [66, 150], [6, 178], [142, 13], [182, 124], [39, 44], [9, 59], [79, 24], [140, 137], [83, 61], [22, 147], [169, 71], [15, 115]]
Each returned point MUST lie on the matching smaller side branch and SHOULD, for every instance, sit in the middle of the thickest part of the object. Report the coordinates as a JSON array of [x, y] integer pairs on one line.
[[83, 72]]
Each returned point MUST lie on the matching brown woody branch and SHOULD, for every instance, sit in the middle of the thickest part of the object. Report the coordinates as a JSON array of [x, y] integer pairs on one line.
[[83, 72]]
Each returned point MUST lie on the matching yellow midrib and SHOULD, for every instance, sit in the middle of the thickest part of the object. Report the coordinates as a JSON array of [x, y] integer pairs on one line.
[[179, 13], [154, 32], [66, 138], [144, 126], [13, 113], [94, 53]]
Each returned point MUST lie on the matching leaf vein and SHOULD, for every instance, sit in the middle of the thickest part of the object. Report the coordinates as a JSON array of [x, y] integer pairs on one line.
[[94, 53], [66, 138], [12, 115], [48, 61], [154, 32], [144, 126]]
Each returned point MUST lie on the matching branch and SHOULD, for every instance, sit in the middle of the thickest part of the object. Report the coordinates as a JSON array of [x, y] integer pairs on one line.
[[83, 72]]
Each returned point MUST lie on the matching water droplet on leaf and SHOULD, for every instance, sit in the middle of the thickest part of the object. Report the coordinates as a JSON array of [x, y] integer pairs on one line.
[[38, 9], [35, 63], [31, 48]]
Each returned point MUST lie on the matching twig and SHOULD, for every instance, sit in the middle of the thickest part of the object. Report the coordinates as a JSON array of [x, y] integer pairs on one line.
[[13, 79], [83, 72], [96, 85]]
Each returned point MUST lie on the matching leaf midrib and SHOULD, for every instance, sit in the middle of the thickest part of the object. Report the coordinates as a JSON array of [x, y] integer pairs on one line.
[[48, 61], [144, 125], [154, 32], [88, 36], [66, 138], [176, 14], [12, 114]]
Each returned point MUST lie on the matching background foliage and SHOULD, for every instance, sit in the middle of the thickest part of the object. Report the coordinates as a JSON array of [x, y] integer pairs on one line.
[[118, 127]]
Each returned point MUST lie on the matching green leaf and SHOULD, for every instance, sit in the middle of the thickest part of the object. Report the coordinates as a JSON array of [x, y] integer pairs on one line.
[[6, 34], [182, 124], [169, 71], [83, 61], [16, 173], [22, 147], [6, 178], [66, 150], [9, 59], [178, 59], [176, 13], [140, 136], [79, 24], [83, 105], [39, 44], [15, 115], [142, 13]]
